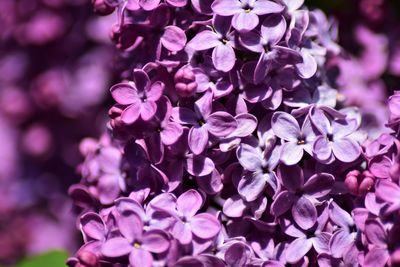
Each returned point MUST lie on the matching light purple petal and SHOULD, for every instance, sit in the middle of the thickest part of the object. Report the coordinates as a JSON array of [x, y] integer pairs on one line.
[[262, 68], [298, 249], [346, 150], [189, 203], [376, 257], [171, 133], [116, 247], [322, 148], [285, 126], [342, 128], [221, 124], [203, 106], [388, 191], [308, 67], [223, 57], [149, 4], [262, 7], [140, 258], [174, 38], [226, 7], [204, 41], [375, 232], [282, 203], [234, 207], [130, 225], [304, 213], [93, 226], [291, 153], [244, 22], [147, 110], [182, 232], [340, 242], [247, 123], [184, 115], [199, 165], [124, 93], [319, 185], [319, 119], [131, 113], [155, 91], [205, 225], [321, 242], [251, 186], [339, 216], [249, 157], [155, 241], [198, 139], [273, 28]]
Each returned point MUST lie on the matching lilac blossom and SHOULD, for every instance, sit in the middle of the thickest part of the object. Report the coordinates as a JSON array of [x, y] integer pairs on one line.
[[300, 196], [140, 97], [245, 13], [297, 140], [204, 122], [335, 140]]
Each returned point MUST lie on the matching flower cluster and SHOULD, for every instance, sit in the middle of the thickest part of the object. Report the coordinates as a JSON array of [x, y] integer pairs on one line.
[[229, 145]]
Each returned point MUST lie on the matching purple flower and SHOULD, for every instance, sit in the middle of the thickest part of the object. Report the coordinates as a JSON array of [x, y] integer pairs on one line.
[[297, 140], [245, 12], [204, 121], [259, 168], [135, 242], [273, 29], [187, 222], [390, 193], [301, 195], [378, 253], [335, 140], [222, 40], [139, 97]]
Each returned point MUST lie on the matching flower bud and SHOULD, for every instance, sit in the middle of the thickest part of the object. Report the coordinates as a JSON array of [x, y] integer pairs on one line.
[[351, 182], [185, 82]]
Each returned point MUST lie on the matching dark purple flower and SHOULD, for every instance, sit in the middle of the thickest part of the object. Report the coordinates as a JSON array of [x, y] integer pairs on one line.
[[204, 121]]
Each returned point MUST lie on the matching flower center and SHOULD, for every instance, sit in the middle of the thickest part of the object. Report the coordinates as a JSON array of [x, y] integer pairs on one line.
[[301, 141], [201, 122], [136, 245], [329, 136]]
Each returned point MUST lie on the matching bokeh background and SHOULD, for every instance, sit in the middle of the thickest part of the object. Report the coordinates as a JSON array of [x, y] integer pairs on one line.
[[56, 66]]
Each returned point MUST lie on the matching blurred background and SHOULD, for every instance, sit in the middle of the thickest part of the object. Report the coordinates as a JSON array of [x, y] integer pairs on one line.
[[56, 66]]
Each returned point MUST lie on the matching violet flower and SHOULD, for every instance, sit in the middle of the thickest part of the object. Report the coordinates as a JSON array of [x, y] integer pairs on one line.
[[297, 140], [221, 39], [135, 242], [335, 140], [245, 12], [139, 97], [378, 254], [205, 122], [301, 195], [187, 222]]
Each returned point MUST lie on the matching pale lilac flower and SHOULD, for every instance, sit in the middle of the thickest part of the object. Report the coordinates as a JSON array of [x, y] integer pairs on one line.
[[245, 12], [335, 140], [378, 253], [297, 140]]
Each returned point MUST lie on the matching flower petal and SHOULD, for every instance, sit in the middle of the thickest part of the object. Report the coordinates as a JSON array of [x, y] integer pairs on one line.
[[234, 207], [198, 139], [223, 57], [285, 126], [205, 225], [245, 22], [273, 28], [182, 232], [116, 247], [174, 38], [221, 123], [171, 133], [93, 226], [140, 258], [298, 249], [251, 186], [204, 41], [249, 157], [155, 241], [199, 165], [291, 153], [131, 113], [340, 241], [262, 7], [155, 91], [184, 115], [304, 213], [308, 67], [346, 150], [124, 93], [322, 148], [375, 232], [130, 225], [376, 257], [148, 110], [319, 185], [292, 177], [189, 203], [226, 7], [282, 203]]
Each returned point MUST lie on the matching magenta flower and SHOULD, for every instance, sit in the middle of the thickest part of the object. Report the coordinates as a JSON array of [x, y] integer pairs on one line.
[[204, 122], [245, 12], [139, 97]]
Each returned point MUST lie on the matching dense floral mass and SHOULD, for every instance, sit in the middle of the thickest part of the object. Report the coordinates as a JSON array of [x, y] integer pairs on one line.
[[229, 144]]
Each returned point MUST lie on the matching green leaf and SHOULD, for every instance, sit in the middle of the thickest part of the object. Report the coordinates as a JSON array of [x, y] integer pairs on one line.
[[55, 258]]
